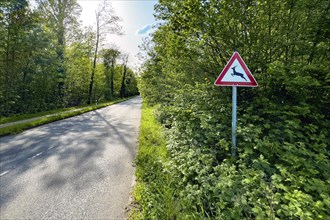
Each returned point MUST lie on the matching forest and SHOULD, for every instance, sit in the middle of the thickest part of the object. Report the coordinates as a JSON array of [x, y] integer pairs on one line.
[[282, 168], [49, 60]]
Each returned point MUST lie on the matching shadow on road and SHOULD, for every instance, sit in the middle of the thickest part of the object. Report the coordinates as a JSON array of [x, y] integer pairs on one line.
[[68, 153]]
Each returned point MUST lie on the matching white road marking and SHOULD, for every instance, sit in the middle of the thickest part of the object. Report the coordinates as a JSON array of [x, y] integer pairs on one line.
[[38, 154], [4, 173]]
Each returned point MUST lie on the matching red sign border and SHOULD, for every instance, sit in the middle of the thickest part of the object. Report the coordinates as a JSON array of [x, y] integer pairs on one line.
[[219, 81]]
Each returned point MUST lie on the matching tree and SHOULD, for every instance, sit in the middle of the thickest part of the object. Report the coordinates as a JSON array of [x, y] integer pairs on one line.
[[15, 18], [106, 23], [131, 83], [45, 56], [275, 175], [123, 92], [109, 59], [23, 49], [79, 67], [61, 16]]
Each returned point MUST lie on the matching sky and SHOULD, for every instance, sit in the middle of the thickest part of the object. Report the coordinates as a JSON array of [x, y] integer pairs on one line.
[[137, 22]]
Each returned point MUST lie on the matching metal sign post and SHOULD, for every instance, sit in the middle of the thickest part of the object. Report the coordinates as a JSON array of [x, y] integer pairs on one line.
[[233, 123], [235, 73]]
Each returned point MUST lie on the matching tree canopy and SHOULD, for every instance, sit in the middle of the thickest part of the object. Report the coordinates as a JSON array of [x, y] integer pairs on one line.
[[47, 56], [282, 167]]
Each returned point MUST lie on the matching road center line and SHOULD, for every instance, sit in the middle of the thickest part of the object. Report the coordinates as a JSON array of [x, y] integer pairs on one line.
[[4, 173], [38, 154]]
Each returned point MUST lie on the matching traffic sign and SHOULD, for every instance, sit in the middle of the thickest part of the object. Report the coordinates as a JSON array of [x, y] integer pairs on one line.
[[236, 73]]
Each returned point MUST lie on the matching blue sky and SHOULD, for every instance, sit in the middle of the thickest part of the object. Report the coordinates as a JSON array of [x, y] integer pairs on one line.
[[137, 22], [145, 30]]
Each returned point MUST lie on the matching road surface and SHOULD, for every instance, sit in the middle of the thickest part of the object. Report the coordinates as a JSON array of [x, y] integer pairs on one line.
[[77, 168]]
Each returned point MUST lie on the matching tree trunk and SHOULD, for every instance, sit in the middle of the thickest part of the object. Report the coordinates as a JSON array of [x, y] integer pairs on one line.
[[93, 70], [112, 89], [60, 52], [123, 85], [107, 73]]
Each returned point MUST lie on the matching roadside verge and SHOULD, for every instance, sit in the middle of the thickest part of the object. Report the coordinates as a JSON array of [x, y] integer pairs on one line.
[[153, 192], [19, 126]]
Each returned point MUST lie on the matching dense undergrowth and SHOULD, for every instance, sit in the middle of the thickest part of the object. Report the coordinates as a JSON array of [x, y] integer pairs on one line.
[[281, 171], [282, 168]]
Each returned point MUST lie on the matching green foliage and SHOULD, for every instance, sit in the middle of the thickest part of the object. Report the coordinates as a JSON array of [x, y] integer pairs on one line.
[[131, 87], [109, 60], [282, 167], [153, 191], [78, 72], [49, 116], [45, 58]]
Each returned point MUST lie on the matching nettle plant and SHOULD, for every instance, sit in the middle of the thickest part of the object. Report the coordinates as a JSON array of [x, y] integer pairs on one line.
[[282, 168]]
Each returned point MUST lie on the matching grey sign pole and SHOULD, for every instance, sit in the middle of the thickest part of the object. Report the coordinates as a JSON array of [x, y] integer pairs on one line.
[[230, 76], [233, 123]]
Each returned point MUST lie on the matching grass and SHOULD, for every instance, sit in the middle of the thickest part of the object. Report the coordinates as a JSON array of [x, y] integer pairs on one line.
[[60, 114], [4, 120], [153, 192], [20, 117]]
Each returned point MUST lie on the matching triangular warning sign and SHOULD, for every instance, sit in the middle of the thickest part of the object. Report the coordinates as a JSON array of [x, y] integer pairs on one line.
[[236, 73]]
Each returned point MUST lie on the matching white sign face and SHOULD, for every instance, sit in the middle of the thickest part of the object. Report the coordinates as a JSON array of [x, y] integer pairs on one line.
[[236, 73]]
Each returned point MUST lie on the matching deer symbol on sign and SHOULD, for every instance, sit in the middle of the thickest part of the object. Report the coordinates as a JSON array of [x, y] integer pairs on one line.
[[235, 73]]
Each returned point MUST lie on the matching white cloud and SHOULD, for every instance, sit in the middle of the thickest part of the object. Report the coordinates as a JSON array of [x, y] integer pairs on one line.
[[143, 31], [135, 14]]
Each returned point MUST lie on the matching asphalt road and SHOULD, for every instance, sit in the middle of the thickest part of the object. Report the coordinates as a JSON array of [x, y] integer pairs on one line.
[[77, 168]]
